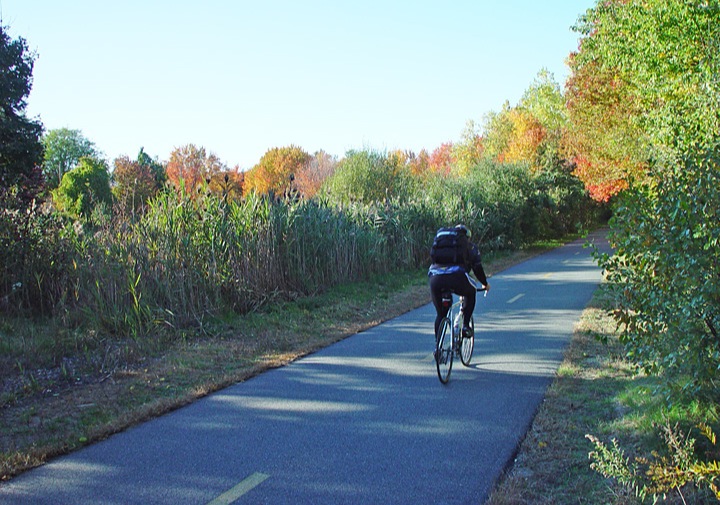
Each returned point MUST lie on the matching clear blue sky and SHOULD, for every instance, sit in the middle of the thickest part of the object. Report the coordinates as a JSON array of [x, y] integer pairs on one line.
[[240, 77]]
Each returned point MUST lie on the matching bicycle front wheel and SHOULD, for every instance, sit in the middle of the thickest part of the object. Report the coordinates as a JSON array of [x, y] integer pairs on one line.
[[444, 351], [468, 345]]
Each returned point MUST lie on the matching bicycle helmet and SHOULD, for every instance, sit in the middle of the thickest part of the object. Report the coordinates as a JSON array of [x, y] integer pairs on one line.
[[464, 229]]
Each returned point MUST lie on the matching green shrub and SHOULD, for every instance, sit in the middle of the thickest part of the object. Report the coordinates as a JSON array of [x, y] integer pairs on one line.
[[666, 269], [84, 188], [662, 474], [36, 256]]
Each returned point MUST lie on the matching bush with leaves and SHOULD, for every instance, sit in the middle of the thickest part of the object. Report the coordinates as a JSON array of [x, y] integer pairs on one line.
[[84, 188], [368, 177], [672, 472], [63, 150], [666, 271], [36, 256]]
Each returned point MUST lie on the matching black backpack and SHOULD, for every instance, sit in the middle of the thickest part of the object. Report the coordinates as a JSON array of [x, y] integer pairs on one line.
[[449, 247]]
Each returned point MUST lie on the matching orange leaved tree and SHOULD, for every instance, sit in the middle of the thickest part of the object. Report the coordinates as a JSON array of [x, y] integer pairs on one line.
[[191, 166], [275, 172]]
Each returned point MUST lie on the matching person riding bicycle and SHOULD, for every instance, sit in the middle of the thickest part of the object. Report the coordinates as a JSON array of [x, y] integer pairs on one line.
[[450, 272]]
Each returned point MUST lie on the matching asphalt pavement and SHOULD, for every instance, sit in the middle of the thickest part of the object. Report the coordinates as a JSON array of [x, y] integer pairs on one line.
[[363, 421]]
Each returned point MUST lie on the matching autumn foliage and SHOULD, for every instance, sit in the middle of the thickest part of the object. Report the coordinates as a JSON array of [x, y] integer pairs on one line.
[[310, 176], [276, 170], [134, 185], [602, 138], [191, 166]]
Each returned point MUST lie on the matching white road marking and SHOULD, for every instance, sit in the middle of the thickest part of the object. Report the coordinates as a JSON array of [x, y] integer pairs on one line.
[[516, 298], [246, 485]]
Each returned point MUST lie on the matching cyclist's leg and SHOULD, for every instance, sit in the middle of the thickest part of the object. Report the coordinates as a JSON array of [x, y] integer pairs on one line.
[[438, 284], [463, 287]]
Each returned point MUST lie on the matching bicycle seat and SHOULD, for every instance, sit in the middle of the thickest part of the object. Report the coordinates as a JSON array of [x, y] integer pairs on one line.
[[447, 298]]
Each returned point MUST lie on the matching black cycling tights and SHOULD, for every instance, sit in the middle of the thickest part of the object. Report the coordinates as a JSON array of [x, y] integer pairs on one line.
[[459, 284]]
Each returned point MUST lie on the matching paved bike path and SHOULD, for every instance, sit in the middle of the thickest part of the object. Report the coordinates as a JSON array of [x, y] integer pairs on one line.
[[363, 421]]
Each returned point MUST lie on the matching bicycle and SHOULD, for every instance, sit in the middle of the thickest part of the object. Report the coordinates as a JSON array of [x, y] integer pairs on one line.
[[450, 340]]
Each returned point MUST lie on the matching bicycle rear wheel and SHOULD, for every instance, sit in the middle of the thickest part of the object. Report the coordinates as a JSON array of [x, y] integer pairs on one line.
[[444, 351], [468, 345]]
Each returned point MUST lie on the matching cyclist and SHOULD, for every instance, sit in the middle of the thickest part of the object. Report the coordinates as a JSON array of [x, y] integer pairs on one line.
[[453, 275]]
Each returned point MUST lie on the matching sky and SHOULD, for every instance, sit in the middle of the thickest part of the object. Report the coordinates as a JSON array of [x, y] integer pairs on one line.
[[240, 77]]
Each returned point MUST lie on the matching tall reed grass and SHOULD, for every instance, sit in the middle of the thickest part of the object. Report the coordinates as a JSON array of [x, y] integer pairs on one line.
[[188, 259]]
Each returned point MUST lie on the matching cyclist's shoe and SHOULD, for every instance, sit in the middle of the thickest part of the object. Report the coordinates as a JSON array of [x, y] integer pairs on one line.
[[467, 332]]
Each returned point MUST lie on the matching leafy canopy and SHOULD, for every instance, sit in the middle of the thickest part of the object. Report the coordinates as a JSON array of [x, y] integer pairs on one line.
[[275, 172], [191, 166], [20, 147], [84, 188], [63, 149], [368, 177], [644, 85]]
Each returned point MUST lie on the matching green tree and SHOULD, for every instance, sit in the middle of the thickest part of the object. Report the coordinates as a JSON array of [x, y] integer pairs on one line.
[[647, 89], [469, 151], [368, 177], [63, 150], [665, 271], [545, 102], [20, 147], [530, 132], [84, 188], [497, 130]]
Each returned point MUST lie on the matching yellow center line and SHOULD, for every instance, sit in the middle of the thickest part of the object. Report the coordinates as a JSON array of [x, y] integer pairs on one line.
[[246, 485]]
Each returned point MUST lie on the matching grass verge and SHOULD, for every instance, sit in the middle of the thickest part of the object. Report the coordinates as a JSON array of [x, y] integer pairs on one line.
[[597, 392]]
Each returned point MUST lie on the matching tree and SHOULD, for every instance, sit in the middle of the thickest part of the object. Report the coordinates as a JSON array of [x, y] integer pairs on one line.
[[531, 131], [524, 140], [420, 164], [603, 139], [368, 177], [311, 176], [644, 85], [644, 102], [63, 150], [497, 130], [134, 184], [191, 166], [441, 160], [84, 188], [276, 170], [156, 168], [545, 102], [20, 147], [468, 153], [665, 271]]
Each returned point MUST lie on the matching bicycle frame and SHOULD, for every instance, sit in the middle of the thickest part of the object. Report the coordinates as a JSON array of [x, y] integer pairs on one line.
[[449, 339]]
